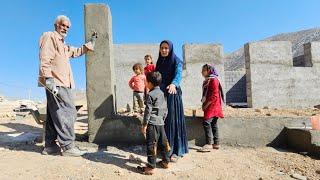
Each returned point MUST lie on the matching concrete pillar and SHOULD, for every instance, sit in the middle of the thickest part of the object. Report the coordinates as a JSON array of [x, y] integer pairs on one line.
[[268, 74], [100, 70]]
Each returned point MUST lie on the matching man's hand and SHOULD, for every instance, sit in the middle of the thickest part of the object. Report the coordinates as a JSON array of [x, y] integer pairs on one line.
[[51, 86], [172, 89], [50, 83], [93, 38], [144, 130]]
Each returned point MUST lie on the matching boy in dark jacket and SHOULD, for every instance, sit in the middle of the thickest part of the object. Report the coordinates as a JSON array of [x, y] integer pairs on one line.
[[153, 124]]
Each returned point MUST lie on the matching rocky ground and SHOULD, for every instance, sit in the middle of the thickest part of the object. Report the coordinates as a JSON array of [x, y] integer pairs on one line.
[[26, 162], [20, 156]]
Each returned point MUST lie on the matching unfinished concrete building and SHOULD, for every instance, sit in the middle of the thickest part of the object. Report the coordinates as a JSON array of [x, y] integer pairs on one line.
[[270, 79]]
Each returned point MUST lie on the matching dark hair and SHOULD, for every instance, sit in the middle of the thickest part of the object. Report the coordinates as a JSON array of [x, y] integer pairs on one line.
[[148, 55], [154, 78], [206, 66], [137, 66]]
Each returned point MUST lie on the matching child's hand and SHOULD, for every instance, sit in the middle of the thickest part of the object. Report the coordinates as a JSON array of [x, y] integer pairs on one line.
[[205, 105], [144, 130]]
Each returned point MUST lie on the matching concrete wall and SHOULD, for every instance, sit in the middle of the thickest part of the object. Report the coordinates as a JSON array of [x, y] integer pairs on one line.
[[273, 81], [195, 56], [235, 86], [125, 56]]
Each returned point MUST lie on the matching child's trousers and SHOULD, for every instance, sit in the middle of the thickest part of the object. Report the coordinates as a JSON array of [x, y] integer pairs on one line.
[[137, 100], [211, 130], [157, 142]]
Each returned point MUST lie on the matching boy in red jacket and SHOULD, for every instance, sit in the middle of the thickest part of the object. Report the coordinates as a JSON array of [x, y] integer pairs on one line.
[[212, 97]]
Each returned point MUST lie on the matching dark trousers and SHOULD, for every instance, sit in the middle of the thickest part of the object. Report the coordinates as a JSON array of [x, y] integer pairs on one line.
[[61, 116], [211, 130], [156, 141]]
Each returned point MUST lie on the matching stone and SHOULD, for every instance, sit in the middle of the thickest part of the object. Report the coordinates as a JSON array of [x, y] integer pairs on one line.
[[118, 172], [258, 110], [280, 173], [298, 176]]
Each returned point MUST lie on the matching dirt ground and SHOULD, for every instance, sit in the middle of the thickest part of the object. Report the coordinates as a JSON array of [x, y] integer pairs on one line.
[[21, 159]]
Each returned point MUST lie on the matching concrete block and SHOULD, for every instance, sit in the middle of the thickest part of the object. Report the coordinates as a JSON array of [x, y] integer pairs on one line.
[[203, 53], [269, 52]]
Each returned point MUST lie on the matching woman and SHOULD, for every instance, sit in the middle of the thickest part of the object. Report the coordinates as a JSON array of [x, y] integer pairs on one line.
[[170, 67]]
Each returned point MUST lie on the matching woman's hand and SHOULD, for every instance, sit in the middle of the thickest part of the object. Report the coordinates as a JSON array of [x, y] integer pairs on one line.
[[172, 89]]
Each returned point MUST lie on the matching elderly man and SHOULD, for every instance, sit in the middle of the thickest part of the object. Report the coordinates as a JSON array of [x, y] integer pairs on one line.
[[56, 76]]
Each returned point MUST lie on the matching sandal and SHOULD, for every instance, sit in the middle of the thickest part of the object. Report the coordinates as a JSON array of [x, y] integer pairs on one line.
[[145, 170]]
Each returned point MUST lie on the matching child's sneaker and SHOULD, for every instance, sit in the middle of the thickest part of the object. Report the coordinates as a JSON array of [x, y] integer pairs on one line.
[[163, 164], [205, 148]]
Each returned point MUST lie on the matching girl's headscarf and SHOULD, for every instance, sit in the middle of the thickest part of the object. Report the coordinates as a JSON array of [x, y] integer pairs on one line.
[[213, 73]]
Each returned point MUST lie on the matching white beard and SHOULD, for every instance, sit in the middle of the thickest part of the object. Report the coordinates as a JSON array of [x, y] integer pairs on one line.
[[63, 34]]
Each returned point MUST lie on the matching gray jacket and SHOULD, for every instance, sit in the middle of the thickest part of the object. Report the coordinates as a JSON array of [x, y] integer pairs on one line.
[[156, 107]]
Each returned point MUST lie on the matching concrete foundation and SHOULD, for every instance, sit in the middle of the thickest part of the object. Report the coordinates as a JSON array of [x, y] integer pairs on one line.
[[252, 132]]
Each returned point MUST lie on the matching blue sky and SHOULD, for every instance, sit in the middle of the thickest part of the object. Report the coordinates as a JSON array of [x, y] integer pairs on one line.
[[230, 23]]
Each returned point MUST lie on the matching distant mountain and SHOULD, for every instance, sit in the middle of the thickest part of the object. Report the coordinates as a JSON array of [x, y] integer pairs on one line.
[[236, 61]]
